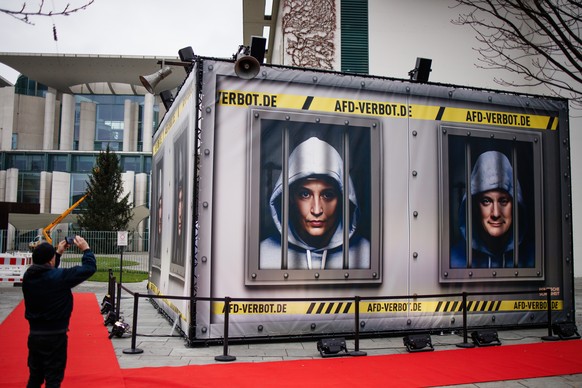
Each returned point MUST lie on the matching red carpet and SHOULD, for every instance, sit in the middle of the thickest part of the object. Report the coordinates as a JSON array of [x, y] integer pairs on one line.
[[447, 367], [92, 363], [91, 358]]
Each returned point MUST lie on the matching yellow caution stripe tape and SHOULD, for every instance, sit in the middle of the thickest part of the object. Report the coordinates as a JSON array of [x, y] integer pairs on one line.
[[152, 287], [240, 98], [171, 121], [383, 307]]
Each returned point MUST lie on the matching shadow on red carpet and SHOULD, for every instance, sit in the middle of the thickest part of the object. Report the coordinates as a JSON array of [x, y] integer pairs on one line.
[[93, 363]]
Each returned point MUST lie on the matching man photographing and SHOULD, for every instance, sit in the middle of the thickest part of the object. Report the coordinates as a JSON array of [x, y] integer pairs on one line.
[[48, 304]]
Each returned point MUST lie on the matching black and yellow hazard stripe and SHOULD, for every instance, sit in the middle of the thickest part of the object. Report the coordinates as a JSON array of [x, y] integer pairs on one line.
[[241, 98], [152, 287], [384, 307], [171, 121]]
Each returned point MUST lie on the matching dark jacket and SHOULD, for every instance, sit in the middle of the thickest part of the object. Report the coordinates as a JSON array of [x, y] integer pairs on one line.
[[315, 158], [493, 171], [47, 293]]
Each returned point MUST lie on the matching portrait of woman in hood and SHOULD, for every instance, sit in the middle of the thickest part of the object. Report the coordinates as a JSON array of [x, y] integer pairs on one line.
[[498, 208], [315, 232]]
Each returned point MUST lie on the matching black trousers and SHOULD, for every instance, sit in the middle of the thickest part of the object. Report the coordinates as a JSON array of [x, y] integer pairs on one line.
[[47, 359]]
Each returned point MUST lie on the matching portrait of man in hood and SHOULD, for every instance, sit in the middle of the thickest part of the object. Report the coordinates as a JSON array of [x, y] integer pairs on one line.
[[499, 218], [318, 195]]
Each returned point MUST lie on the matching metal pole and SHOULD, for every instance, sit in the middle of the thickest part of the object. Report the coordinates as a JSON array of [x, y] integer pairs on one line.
[[356, 351], [225, 356], [119, 285], [133, 349], [550, 336], [465, 343]]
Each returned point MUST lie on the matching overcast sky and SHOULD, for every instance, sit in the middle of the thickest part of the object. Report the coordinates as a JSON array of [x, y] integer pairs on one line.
[[125, 27]]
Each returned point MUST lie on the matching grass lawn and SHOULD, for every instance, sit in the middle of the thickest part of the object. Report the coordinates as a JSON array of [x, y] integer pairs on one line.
[[106, 263]]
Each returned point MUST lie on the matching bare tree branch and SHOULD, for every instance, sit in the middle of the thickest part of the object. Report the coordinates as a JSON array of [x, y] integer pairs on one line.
[[25, 13], [540, 40]]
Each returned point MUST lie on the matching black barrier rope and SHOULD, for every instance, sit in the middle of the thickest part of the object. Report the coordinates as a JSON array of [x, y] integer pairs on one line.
[[357, 299]]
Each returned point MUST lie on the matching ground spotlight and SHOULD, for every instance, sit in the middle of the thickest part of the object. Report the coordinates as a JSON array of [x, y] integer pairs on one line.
[[566, 330], [332, 347], [418, 343], [485, 338]]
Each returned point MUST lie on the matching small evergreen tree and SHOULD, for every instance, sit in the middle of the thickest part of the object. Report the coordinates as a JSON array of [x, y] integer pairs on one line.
[[104, 209]]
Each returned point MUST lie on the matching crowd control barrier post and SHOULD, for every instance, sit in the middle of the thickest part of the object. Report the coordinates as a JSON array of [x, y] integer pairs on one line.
[[465, 343], [133, 349], [225, 356], [550, 336], [357, 351], [111, 290]]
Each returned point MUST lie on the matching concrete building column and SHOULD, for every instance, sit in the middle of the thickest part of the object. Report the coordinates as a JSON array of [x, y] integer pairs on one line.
[[87, 126], [128, 182], [49, 119], [44, 195], [60, 192], [11, 193], [60, 197], [7, 97], [141, 198], [67, 122], [148, 122], [2, 185]]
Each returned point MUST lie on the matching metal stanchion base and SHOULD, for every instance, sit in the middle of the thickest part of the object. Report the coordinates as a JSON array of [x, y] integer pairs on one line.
[[225, 357], [132, 351], [550, 338], [465, 345], [357, 353]]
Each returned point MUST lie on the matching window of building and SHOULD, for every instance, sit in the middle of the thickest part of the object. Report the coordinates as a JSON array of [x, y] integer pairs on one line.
[[354, 36], [83, 163], [18, 161], [37, 162], [78, 188], [59, 163], [109, 122], [28, 187], [130, 163], [28, 87]]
